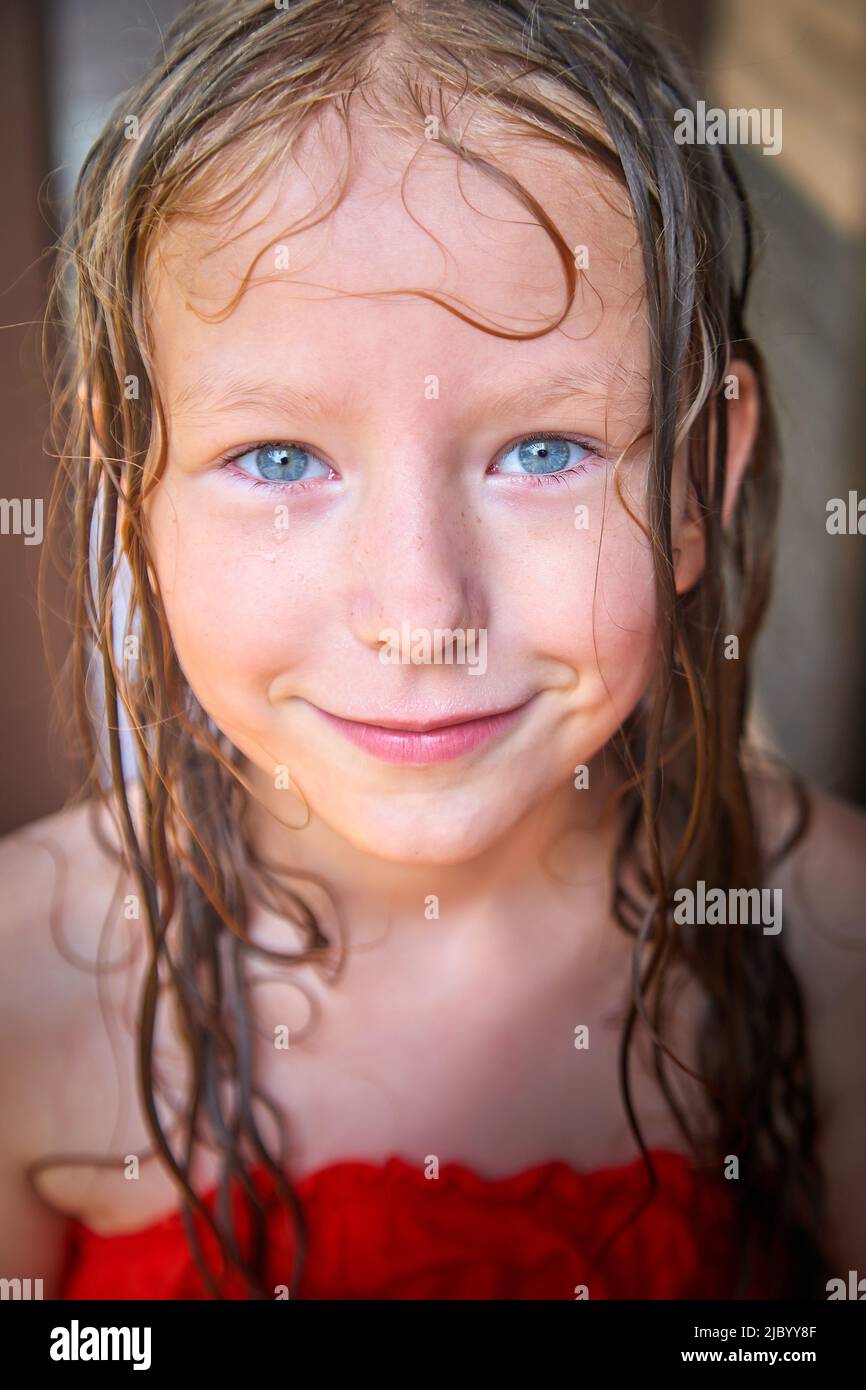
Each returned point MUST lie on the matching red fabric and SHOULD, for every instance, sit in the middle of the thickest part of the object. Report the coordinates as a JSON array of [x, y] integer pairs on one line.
[[385, 1231]]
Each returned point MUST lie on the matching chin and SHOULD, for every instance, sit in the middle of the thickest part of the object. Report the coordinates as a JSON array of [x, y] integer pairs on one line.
[[432, 832]]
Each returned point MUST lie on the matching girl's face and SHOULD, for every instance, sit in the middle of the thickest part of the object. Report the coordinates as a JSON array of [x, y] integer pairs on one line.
[[388, 484]]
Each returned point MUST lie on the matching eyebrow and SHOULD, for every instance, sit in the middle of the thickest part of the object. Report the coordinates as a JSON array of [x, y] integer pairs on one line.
[[592, 382]]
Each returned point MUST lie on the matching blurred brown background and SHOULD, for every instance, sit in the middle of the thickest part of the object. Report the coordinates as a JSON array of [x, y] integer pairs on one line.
[[64, 62]]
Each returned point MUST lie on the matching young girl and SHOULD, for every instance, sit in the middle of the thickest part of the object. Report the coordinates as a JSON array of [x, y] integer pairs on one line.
[[426, 927]]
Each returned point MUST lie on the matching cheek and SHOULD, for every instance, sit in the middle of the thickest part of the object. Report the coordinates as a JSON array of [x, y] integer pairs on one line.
[[238, 610], [621, 663], [585, 598]]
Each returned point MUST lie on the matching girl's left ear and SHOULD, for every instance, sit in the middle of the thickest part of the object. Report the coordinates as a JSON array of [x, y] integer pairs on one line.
[[744, 410]]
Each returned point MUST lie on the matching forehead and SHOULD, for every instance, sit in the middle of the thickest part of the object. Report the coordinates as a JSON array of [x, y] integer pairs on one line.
[[412, 218]]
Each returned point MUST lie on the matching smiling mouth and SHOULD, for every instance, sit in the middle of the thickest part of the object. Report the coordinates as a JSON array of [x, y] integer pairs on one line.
[[426, 740]]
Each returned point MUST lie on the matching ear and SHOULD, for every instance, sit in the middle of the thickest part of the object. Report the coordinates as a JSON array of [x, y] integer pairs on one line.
[[687, 525]]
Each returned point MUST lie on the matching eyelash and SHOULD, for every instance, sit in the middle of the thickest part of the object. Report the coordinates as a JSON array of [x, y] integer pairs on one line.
[[545, 479], [533, 479]]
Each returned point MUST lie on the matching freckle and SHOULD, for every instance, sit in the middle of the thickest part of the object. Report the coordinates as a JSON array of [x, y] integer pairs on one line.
[[478, 519]]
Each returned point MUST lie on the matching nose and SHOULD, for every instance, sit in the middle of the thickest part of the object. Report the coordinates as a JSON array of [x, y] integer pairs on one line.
[[416, 560]]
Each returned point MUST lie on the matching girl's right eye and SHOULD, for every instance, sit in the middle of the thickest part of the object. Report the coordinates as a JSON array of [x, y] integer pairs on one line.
[[279, 463]]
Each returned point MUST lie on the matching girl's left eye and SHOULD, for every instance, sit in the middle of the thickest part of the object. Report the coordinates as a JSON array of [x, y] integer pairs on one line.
[[543, 456]]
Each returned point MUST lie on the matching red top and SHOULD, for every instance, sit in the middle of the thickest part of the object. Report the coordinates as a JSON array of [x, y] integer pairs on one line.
[[385, 1231]]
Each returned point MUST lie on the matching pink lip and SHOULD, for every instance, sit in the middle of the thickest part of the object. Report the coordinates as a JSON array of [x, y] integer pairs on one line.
[[424, 741]]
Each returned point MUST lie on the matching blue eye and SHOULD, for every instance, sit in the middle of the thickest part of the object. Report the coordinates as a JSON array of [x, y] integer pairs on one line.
[[281, 463], [540, 454]]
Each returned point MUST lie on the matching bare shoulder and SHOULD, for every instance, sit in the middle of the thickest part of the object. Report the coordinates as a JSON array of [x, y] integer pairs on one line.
[[822, 876], [61, 938], [56, 876], [823, 883]]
